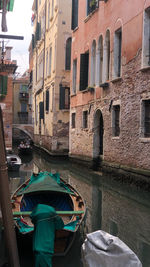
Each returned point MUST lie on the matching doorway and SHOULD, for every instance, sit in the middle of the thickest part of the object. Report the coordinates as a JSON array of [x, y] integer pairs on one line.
[[98, 134]]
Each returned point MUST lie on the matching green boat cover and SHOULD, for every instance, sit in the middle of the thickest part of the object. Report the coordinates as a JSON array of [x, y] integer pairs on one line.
[[45, 221], [45, 181]]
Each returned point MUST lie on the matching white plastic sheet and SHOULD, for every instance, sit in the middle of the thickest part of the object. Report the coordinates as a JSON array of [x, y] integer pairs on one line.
[[101, 249]]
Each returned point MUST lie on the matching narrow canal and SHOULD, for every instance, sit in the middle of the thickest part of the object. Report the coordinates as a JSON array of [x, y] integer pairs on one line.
[[114, 206]]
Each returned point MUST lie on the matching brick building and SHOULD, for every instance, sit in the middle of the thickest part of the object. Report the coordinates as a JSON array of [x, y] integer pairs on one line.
[[110, 90], [7, 69]]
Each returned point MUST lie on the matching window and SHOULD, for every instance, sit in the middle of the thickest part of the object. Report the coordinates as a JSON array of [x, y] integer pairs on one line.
[[146, 39], [145, 118], [106, 59], [117, 53], [68, 54], [99, 69], [74, 14], [23, 88], [64, 97], [48, 17], [23, 107], [92, 5], [116, 120], [50, 60], [73, 120], [41, 109], [85, 119], [46, 63], [74, 75], [84, 70], [93, 63], [52, 9], [47, 101], [3, 85]]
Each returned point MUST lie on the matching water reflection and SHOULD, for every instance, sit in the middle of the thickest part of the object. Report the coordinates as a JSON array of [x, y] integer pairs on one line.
[[119, 208]]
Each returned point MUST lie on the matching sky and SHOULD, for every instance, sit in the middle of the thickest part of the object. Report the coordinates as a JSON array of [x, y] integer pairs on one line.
[[19, 23]]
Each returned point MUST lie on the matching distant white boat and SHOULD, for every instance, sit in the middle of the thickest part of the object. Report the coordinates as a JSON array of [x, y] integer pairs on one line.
[[13, 162], [100, 249]]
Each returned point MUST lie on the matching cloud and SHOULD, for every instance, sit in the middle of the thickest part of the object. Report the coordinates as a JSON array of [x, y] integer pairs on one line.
[[19, 23]]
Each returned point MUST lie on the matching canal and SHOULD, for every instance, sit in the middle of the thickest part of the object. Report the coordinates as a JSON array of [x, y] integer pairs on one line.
[[113, 205]]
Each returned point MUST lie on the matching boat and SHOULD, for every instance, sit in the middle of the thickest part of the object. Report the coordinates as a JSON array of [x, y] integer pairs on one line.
[[13, 162], [103, 249], [25, 148], [49, 189]]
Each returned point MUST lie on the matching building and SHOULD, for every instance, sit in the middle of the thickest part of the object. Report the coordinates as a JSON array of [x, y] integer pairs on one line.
[[110, 89], [7, 69], [30, 87], [21, 99], [51, 74]]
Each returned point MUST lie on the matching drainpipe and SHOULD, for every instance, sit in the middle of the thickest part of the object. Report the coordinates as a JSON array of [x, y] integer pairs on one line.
[[5, 203]]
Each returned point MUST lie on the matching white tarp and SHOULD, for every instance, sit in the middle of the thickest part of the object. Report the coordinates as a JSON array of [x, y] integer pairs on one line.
[[101, 249]]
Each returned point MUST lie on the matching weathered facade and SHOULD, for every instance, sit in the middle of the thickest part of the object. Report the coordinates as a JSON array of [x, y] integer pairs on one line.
[[7, 69], [51, 74], [110, 89], [21, 99]]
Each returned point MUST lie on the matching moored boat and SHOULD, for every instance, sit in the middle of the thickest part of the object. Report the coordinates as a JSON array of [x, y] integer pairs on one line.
[[25, 148], [103, 249], [13, 162], [49, 189]]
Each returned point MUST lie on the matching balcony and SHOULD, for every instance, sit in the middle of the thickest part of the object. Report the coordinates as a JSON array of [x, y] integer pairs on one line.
[[23, 96]]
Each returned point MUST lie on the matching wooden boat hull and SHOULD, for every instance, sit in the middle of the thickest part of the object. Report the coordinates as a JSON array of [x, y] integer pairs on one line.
[[72, 204]]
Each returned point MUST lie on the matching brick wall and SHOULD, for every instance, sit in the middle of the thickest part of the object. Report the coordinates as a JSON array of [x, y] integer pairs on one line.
[[129, 149]]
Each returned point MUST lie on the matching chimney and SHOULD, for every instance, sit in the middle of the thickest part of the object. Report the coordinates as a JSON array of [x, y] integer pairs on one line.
[[8, 53]]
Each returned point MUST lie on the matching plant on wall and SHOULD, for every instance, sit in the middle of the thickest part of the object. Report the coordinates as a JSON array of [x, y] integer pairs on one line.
[[93, 3]]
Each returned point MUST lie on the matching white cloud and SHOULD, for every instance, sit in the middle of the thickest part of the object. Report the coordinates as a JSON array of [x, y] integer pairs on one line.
[[19, 23]]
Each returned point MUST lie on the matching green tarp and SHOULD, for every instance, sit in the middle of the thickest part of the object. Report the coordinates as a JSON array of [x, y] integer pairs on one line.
[[45, 221], [45, 181], [10, 5]]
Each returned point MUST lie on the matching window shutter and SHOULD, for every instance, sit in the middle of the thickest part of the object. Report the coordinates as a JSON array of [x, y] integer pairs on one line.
[[3, 85], [68, 54], [61, 97], [38, 32], [74, 14], [41, 108], [47, 100], [33, 41], [84, 69]]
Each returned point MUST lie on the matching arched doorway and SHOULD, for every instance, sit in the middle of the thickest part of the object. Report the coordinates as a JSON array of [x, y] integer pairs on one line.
[[98, 135]]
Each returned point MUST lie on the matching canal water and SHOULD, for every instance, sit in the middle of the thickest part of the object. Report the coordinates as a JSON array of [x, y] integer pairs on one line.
[[113, 205]]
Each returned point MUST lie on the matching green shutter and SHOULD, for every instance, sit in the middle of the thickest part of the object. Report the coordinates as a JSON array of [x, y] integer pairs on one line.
[[61, 97], [5, 78], [74, 23], [3, 85], [33, 42], [84, 69], [47, 101], [10, 5], [41, 108], [38, 32]]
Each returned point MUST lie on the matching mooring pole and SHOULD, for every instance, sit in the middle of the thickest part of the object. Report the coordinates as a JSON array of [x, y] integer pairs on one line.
[[5, 203]]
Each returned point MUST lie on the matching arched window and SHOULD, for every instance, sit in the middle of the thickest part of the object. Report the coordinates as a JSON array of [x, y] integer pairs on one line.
[[99, 68], [68, 54], [106, 60], [93, 63]]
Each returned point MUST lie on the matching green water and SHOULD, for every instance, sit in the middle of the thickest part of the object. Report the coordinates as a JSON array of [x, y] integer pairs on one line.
[[113, 205]]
